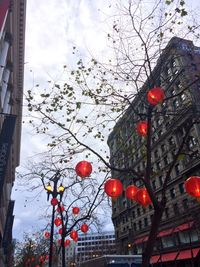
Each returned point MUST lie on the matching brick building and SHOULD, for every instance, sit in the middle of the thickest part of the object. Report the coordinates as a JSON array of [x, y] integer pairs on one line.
[[177, 71]]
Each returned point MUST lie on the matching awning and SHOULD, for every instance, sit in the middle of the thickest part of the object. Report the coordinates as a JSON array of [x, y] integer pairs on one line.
[[154, 259], [168, 257], [183, 227], [165, 232], [188, 254], [140, 240]]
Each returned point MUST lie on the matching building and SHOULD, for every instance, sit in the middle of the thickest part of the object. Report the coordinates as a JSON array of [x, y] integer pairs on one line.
[[95, 245], [12, 32], [177, 71]]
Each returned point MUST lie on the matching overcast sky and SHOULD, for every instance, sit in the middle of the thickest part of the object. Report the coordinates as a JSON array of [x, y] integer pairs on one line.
[[52, 29]]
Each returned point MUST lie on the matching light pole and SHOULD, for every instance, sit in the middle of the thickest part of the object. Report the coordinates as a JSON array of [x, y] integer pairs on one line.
[[54, 192]]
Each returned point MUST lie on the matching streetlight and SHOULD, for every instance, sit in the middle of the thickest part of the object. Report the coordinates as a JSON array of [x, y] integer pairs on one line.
[[55, 191]]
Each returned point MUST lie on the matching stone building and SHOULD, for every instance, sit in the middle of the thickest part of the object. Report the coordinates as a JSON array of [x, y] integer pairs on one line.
[[177, 71], [12, 32]]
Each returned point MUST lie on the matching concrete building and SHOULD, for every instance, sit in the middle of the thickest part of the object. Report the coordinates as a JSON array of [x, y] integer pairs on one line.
[[12, 31], [177, 71], [95, 245]]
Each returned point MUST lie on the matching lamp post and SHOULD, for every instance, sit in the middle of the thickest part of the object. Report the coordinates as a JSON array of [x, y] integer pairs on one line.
[[54, 191]]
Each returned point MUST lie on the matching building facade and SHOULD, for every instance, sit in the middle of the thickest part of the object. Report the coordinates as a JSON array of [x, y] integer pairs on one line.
[[94, 245], [177, 71], [12, 32]]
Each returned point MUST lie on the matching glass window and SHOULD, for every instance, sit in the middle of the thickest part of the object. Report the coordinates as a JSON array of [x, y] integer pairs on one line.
[[176, 209], [185, 204], [177, 169], [188, 236], [176, 103], [172, 193], [145, 221], [171, 141], [181, 188], [138, 211], [140, 225], [167, 212], [183, 96], [168, 241]]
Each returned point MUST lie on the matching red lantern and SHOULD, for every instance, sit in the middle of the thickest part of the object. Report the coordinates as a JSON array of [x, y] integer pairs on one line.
[[142, 128], [74, 235], [83, 169], [54, 201], [33, 259], [67, 242], [37, 265], [57, 222], [60, 209], [113, 187], [131, 191], [47, 234], [75, 210], [59, 242], [142, 197], [76, 239], [47, 257], [60, 231], [155, 96], [84, 228], [192, 186]]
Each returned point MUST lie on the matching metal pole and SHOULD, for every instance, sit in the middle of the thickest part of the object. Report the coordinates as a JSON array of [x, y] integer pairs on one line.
[[51, 237]]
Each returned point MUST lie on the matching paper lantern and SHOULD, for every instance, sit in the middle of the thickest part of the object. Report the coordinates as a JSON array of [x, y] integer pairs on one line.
[[113, 187], [131, 191], [142, 128], [60, 209], [75, 210], [57, 222], [84, 228], [54, 201], [47, 234], [83, 169], [74, 235], [192, 186], [67, 242], [155, 96], [60, 231], [142, 197]]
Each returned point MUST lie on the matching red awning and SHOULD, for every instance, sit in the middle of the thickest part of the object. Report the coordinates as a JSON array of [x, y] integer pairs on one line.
[[188, 254], [168, 257], [165, 232], [140, 240], [154, 259], [183, 227]]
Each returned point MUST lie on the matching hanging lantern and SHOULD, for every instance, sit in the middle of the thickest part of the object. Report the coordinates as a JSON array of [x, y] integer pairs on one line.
[[67, 242], [192, 186], [57, 222], [84, 228], [75, 210], [83, 169], [155, 96], [60, 209], [113, 187], [76, 239], [47, 257], [54, 201], [74, 235], [60, 231], [142, 197], [142, 128], [47, 234], [37, 265], [131, 191]]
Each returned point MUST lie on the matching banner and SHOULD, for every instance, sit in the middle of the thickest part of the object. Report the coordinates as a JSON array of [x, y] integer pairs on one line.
[[5, 144], [4, 5]]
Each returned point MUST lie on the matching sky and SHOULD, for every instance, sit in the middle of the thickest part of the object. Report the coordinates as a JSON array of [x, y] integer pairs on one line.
[[52, 30]]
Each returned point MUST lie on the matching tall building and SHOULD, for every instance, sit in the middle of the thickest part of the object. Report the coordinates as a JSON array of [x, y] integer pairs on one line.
[[90, 246], [177, 71], [12, 31]]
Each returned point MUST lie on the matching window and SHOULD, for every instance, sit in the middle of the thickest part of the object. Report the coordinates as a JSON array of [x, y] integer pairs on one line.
[[173, 92], [140, 225], [177, 169], [161, 180], [167, 212], [192, 141], [172, 193], [138, 212], [171, 141], [175, 103], [183, 96], [145, 221], [176, 209], [156, 153], [185, 204], [181, 188], [163, 147], [168, 241], [166, 160], [133, 214], [187, 237], [154, 184], [135, 227], [158, 164]]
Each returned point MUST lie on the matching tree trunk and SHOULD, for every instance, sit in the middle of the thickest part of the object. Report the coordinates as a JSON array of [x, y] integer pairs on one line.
[[152, 237]]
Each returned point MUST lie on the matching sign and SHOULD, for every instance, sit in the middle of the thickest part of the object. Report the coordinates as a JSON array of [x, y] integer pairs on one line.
[[5, 144]]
